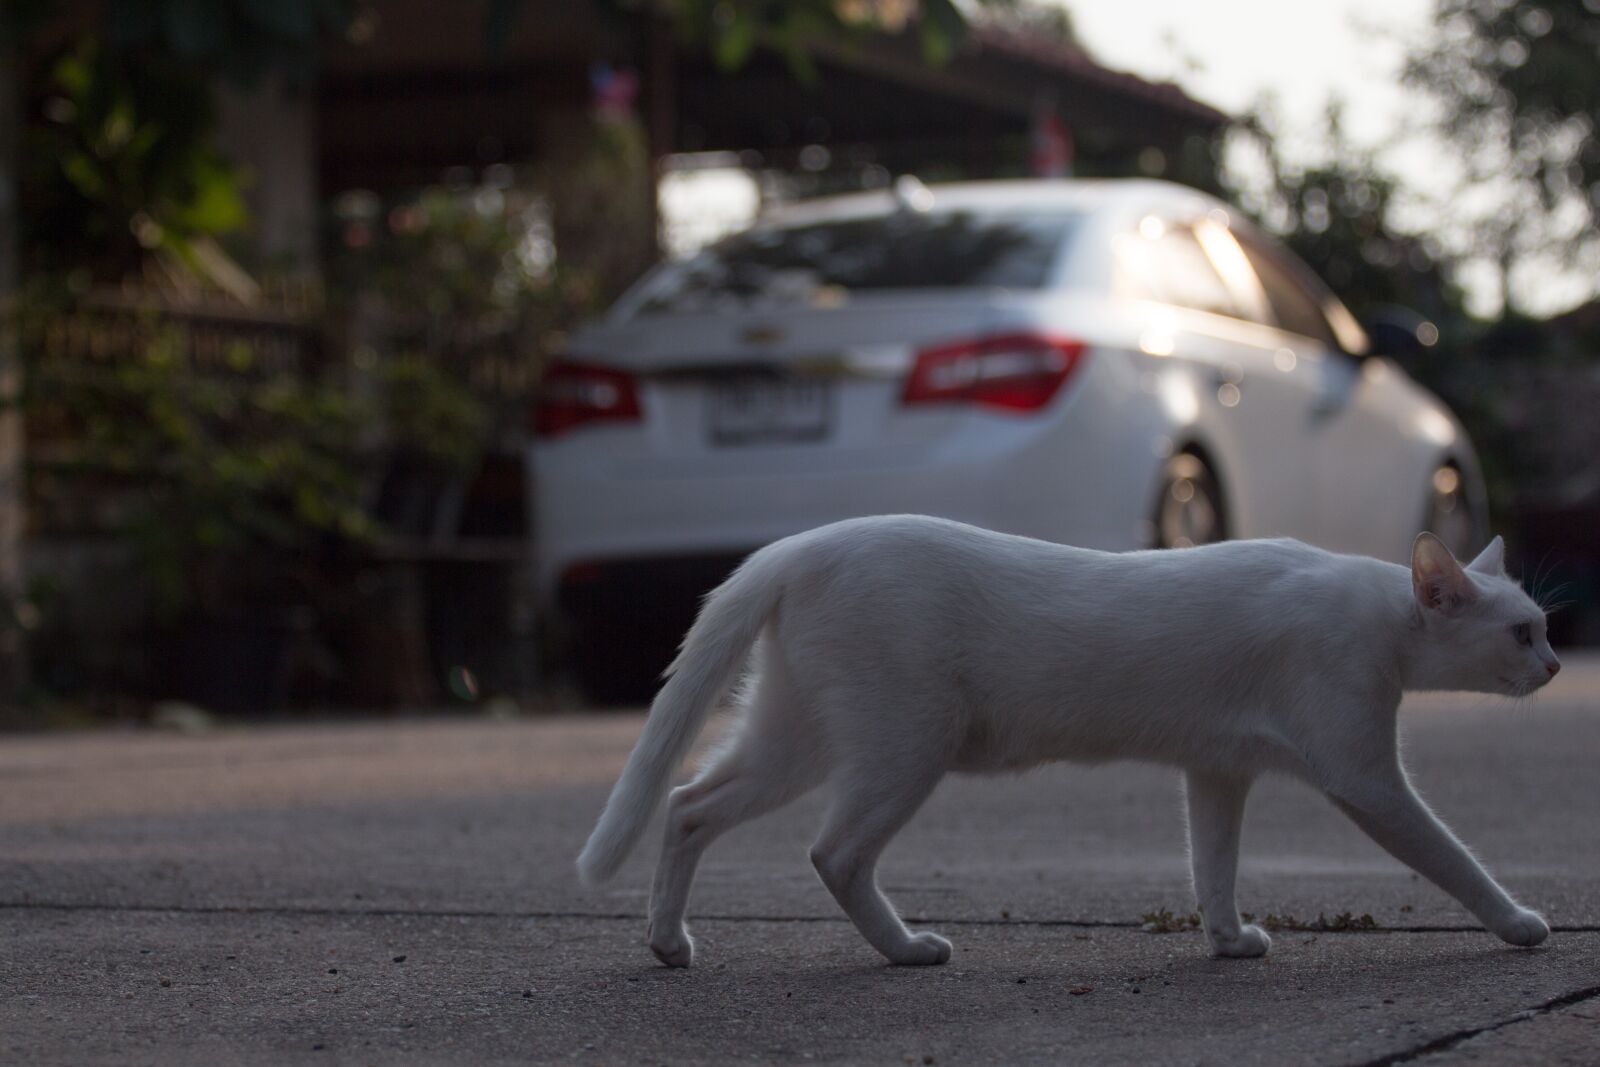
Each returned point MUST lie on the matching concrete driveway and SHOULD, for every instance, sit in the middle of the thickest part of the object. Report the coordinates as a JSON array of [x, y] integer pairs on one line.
[[402, 892]]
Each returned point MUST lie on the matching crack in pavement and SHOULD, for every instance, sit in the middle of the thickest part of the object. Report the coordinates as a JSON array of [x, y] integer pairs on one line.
[[1451, 1040], [631, 916], [1419, 1053], [449, 913]]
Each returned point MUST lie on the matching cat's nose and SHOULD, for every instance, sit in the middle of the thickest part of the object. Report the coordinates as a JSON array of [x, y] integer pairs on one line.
[[1551, 667]]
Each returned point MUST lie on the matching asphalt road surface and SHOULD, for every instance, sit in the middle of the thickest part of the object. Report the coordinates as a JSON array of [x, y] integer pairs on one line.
[[402, 892]]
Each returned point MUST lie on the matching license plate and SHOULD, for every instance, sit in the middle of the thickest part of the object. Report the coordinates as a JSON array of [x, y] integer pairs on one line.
[[757, 410]]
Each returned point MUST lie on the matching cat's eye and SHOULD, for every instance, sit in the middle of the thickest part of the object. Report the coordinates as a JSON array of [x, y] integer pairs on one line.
[[1523, 632]]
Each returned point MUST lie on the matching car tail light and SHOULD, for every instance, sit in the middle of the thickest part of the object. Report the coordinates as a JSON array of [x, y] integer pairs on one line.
[[1016, 372], [574, 394]]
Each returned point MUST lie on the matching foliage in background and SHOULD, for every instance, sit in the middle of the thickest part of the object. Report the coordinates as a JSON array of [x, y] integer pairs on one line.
[[1520, 104], [605, 236], [119, 155], [732, 29], [445, 256], [206, 472], [1338, 215], [430, 413], [122, 163], [455, 289], [240, 40], [1027, 18]]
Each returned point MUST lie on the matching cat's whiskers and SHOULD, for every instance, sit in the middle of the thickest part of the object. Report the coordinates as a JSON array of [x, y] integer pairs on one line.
[[1546, 598], [1539, 574], [1516, 699]]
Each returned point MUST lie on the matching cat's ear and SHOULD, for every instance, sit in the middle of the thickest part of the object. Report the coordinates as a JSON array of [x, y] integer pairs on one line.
[[1437, 579], [1492, 560]]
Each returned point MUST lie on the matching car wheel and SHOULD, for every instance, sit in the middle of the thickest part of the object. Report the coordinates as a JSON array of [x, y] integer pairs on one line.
[[1449, 514], [1189, 511]]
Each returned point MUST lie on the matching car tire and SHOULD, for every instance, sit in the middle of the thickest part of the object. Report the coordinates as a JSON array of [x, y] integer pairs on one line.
[[1189, 509], [1449, 515]]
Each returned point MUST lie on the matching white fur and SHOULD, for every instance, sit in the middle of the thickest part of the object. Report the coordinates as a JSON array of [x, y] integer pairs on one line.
[[892, 650]]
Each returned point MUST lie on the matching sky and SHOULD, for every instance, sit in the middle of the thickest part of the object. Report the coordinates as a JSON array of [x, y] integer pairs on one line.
[[1229, 52]]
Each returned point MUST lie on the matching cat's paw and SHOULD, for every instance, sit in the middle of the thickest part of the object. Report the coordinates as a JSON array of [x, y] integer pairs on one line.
[[1250, 942], [672, 946], [1523, 927], [922, 950]]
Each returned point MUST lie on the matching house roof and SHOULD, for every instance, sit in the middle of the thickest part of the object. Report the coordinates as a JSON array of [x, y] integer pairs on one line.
[[1067, 60], [426, 92]]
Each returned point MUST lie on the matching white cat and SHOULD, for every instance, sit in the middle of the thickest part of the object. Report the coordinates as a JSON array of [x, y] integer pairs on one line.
[[892, 650]]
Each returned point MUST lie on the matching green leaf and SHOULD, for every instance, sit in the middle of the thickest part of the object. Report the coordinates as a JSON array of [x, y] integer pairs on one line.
[[118, 128], [940, 29], [735, 41], [218, 205], [800, 64], [85, 177], [74, 73]]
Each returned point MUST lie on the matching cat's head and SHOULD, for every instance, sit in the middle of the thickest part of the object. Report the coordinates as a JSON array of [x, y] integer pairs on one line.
[[1482, 632]]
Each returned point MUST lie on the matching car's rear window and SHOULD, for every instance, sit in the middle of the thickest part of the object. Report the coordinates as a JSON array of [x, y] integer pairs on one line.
[[937, 250]]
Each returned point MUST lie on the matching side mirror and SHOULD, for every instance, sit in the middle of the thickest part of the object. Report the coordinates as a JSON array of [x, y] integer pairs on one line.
[[1399, 332]]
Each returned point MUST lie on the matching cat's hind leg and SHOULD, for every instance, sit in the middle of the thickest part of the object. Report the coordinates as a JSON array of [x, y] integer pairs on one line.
[[875, 799], [770, 762], [1216, 810]]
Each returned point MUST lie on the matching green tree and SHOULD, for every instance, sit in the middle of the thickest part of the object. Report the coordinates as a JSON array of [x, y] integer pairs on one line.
[[1337, 213], [121, 158], [1519, 100], [240, 40], [121, 163]]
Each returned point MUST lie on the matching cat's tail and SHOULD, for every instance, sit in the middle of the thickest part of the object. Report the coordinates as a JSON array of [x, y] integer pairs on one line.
[[715, 647]]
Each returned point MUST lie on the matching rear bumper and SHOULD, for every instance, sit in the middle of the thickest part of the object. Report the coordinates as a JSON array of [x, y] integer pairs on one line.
[[1082, 474], [613, 547], [691, 518]]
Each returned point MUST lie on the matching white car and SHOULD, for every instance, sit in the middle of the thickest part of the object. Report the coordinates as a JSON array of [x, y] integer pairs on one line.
[[1112, 364]]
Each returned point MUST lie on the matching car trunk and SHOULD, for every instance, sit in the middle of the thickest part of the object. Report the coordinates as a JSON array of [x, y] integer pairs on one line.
[[740, 392]]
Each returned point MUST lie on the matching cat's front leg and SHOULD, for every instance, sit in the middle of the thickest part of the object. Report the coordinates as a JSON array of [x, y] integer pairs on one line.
[[1216, 810], [1385, 806]]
